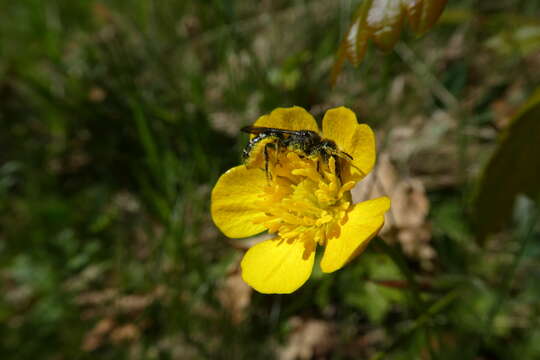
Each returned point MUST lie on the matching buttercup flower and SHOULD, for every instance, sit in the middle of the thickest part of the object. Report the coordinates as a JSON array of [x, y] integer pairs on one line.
[[302, 198]]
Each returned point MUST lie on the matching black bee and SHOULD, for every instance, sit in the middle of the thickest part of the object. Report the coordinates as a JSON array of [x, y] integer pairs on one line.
[[306, 142]]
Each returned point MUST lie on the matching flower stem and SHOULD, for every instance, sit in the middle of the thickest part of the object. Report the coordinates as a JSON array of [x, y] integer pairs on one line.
[[398, 259]]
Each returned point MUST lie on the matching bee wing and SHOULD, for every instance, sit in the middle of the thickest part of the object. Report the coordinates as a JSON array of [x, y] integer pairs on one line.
[[256, 130]]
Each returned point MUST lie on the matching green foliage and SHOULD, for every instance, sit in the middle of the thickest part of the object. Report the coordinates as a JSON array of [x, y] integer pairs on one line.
[[524, 39], [375, 299], [118, 117], [513, 169]]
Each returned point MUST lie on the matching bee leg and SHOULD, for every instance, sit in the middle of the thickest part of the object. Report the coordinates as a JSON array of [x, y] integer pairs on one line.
[[322, 156], [266, 160], [338, 169]]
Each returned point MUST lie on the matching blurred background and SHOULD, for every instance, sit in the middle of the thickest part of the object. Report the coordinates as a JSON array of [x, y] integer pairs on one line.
[[117, 118]]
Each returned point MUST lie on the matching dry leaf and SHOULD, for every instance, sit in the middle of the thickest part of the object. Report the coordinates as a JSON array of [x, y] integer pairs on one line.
[[235, 294], [309, 338], [128, 332], [94, 338], [409, 203], [364, 346], [381, 21], [133, 303], [408, 213]]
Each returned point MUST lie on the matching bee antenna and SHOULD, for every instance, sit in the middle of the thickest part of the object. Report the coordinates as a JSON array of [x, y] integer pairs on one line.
[[347, 155], [359, 170], [342, 154]]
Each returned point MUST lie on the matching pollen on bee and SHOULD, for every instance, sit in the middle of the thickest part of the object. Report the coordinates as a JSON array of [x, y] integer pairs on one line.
[[268, 145]]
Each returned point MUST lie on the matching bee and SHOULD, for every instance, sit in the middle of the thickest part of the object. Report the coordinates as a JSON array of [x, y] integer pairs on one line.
[[306, 142]]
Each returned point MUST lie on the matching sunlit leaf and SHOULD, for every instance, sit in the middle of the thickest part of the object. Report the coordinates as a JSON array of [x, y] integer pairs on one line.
[[381, 21], [523, 40], [513, 169]]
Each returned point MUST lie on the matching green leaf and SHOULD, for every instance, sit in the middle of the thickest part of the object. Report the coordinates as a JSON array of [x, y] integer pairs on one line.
[[381, 21], [522, 40], [513, 169]]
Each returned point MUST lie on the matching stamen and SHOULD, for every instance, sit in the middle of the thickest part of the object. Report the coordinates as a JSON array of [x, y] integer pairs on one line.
[[305, 199]]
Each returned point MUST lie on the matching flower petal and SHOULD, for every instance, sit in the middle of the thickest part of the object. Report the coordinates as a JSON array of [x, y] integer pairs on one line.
[[234, 201], [276, 266], [293, 118], [355, 139], [365, 220]]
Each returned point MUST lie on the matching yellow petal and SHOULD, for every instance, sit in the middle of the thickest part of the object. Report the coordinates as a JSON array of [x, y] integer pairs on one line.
[[293, 118], [234, 198], [365, 220], [355, 139], [276, 266]]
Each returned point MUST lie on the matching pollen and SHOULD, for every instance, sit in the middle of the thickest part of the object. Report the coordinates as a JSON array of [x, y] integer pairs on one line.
[[305, 199]]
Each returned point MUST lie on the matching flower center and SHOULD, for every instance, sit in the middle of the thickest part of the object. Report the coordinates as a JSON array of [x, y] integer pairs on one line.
[[306, 199]]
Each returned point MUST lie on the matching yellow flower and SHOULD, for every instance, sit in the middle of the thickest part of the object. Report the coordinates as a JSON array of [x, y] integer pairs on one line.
[[304, 200]]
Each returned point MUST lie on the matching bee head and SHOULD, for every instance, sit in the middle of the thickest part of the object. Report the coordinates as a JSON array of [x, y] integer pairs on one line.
[[330, 148]]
